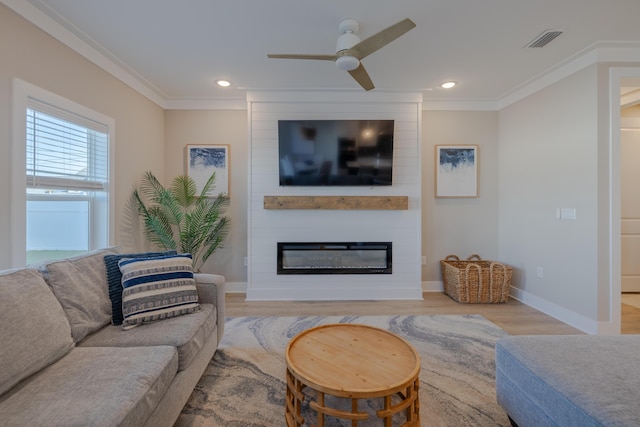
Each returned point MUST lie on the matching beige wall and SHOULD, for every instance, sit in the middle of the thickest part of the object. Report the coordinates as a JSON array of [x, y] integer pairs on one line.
[[550, 157], [462, 226], [184, 127], [33, 56]]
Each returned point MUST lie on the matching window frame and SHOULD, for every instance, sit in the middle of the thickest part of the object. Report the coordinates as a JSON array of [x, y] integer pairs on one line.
[[23, 92]]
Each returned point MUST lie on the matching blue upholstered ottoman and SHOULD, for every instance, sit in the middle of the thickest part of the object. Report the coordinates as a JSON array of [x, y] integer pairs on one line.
[[576, 380]]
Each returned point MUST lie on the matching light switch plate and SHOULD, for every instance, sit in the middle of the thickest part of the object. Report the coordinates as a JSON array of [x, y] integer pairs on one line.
[[568, 213]]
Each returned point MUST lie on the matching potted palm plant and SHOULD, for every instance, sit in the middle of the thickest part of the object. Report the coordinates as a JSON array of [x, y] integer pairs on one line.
[[178, 218]]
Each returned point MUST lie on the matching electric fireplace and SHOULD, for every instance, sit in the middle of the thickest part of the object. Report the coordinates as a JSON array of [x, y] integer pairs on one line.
[[334, 258]]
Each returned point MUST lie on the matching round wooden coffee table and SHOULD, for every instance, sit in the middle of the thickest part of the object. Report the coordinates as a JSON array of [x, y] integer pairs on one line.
[[352, 361]]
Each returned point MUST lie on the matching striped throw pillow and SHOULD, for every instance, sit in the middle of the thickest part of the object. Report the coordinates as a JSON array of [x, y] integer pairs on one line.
[[157, 288], [114, 279]]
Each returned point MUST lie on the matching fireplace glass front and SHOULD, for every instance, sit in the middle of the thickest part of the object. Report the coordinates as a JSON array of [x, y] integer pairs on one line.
[[335, 258]]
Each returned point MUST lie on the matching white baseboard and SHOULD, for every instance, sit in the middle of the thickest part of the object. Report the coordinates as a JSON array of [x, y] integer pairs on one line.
[[342, 294], [569, 317], [241, 287]]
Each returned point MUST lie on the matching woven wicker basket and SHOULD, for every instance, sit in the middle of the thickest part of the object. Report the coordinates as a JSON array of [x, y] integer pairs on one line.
[[475, 280]]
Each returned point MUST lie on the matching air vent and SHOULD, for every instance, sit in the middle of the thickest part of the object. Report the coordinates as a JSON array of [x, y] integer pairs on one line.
[[545, 38]]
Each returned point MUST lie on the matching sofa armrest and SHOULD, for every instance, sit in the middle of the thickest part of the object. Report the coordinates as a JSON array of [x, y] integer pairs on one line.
[[211, 290]]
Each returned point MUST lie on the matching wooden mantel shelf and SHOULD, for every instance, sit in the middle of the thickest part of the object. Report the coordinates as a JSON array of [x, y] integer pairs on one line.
[[337, 202]]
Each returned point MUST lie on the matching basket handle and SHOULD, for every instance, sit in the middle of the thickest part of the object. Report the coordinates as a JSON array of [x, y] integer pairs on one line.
[[474, 257], [504, 277], [452, 258], [466, 284]]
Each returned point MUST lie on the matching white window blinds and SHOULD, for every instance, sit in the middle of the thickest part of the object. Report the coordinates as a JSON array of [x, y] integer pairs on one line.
[[65, 151]]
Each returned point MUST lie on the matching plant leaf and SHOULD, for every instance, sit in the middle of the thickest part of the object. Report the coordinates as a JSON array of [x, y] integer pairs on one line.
[[180, 219]]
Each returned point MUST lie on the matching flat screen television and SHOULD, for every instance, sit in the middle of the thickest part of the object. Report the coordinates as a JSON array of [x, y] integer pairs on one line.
[[335, 152]]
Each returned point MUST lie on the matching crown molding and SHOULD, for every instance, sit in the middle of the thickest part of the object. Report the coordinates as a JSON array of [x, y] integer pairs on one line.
[[458, 105], [337, 95], [205, 104], [622, 52]]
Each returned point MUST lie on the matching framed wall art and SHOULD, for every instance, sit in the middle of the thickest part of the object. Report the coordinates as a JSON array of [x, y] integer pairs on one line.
[[456, 168], [202, 160]]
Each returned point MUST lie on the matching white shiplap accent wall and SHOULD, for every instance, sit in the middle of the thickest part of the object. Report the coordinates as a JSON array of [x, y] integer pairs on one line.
[[267, 227]]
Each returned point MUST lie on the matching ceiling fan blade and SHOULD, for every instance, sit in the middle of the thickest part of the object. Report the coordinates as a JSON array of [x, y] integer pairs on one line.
[[380, 39], [294, 56], [362, 77]]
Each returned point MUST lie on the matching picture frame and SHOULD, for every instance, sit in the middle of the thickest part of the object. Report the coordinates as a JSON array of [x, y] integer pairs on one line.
[[202, 160], [456, 171]]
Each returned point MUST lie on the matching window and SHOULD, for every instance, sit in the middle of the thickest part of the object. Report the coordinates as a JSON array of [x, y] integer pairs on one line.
[[65, 153]]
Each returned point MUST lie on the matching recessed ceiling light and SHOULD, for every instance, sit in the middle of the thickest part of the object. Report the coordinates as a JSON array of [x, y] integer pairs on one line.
[[224, 83], [447, 85]]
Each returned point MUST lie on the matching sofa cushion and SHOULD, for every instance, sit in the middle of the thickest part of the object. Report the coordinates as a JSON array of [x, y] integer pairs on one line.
[[80, 284], [93, 387], [34, 331], [187, 333], [157, 288], [570, 380], [114, 280]]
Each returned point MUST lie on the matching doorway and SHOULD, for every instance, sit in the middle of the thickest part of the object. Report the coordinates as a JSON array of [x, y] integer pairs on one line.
[[629, 204]]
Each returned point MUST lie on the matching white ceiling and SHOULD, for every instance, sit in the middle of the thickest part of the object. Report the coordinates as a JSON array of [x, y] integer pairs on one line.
[[177, 49]]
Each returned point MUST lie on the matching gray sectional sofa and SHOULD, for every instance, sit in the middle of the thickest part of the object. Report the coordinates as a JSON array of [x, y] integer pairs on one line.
[[63, 363], [569, 381]]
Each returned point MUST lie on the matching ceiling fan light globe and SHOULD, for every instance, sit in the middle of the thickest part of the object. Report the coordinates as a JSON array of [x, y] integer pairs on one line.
[[347, 63]]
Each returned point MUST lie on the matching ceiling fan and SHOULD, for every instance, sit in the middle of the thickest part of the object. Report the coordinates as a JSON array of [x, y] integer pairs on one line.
[[350, 50]]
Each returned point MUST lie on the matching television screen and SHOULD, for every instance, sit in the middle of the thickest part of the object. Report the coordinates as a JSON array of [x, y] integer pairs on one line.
[[335, 152]]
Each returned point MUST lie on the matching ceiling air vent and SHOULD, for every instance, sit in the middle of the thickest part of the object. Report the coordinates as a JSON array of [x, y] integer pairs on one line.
[[545, 38]]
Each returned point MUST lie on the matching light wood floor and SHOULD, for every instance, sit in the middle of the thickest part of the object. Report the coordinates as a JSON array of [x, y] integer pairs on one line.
[[512, 316], [630, 319]]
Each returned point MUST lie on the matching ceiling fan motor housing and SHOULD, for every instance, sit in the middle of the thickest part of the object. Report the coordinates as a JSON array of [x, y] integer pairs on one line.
[[346, 41]]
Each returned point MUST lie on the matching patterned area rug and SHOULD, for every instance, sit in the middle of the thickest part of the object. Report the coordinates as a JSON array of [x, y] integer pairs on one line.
[[244, 383]]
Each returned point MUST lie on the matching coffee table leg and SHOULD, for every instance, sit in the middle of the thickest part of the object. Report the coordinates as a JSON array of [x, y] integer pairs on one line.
[[387, 407], [293, 403], [321, 414], [413, 411]]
